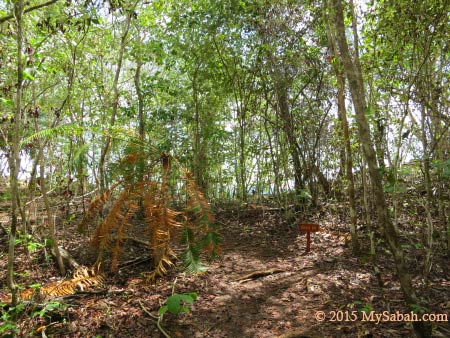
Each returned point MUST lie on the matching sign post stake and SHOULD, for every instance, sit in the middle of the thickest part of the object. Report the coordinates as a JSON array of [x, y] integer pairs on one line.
[[308, 241], [308, 228]]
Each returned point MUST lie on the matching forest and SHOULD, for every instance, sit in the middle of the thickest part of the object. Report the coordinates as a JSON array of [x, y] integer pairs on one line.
[[225, 168]]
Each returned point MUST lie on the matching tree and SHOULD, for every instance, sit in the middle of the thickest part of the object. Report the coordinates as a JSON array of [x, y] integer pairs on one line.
[[354, 76], [342, 116], [14, 158]]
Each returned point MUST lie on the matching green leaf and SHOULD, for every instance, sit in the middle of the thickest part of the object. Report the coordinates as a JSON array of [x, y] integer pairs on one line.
[[192, 260], [163, 309], [27, 76], [178, 303], [6, 101], [35, 286], [64, 129]]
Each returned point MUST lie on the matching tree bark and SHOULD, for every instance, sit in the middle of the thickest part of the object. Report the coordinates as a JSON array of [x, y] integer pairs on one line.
[[348, 158], [28, 9], [14, 159], [283, 109], [348, 161], [356, 85], [50, 218], [115, 101]]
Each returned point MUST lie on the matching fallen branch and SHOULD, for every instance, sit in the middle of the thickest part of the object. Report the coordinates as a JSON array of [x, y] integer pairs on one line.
[[67, 258], [135, 261], [137, 240], [258, 274], [102, 292]]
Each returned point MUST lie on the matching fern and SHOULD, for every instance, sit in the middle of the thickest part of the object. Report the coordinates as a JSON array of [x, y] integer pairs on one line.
[[150, 190], [124, 223], [95, 207], [103, 234], [191, 257], [67, 129], [79, 155], [192, 261], [211, 242]]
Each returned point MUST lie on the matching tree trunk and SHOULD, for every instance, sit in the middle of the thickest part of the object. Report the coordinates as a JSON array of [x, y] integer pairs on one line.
[[199, 157], [428, 238], [355, 80], [141, 119], [137, 85], [50, 218], [348, 158], [14, 159], [283, 107], [115, 101]]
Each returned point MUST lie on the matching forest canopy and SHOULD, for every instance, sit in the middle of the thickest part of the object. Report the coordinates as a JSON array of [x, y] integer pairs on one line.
[[283, 104]]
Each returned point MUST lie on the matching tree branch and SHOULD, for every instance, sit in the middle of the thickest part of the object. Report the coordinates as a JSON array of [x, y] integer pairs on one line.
[[29, 9]]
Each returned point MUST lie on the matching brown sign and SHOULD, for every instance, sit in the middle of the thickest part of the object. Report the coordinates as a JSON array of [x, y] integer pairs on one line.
[[308, 227]]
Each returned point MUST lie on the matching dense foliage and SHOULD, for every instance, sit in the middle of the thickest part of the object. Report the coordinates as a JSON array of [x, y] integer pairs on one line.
[[250, 95]]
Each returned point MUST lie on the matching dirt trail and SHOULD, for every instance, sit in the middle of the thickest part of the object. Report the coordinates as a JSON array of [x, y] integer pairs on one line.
[[327, 279]]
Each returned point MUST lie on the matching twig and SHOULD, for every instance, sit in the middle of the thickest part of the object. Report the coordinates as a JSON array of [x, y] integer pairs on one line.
[[442, 328], [158, 324], [258, 274], [135, 261], [39, 197], [158, 320], [137, 240], [28, 9], [173, 286], [85, 195], [147, 312], [79, 294]]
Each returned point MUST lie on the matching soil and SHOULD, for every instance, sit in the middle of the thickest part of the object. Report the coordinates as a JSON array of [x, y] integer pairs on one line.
[[263, 285]]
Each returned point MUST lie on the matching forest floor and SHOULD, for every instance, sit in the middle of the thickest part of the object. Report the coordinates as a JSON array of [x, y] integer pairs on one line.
[[283, 295]]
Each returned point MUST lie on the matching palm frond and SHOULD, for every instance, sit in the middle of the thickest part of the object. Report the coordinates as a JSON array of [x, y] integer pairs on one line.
[[192, 262], [61, 130], [95, 207], [79, 155], [120, 236], [103, 238]]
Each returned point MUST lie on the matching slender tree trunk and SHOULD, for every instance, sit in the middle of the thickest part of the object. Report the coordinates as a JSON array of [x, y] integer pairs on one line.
[[355, 80], [115, 100], [369, 225], [14, 159], [428, 238], [50, 218], [137, 85], [348, 157], [48, 209], [242, 156], [283, 107], [348, 161], [141, 119], [198, 156], [273, 157]]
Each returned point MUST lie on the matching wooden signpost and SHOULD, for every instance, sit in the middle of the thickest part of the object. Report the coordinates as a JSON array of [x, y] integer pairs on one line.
[[308, 228]]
